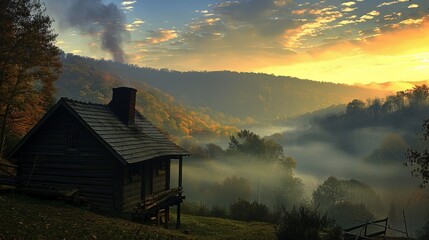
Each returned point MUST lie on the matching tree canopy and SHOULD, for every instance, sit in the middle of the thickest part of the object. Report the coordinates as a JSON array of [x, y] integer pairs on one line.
[[29, 64], [252, 146]]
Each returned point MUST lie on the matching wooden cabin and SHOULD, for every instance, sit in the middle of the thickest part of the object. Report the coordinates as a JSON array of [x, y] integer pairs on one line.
[[116, 159]]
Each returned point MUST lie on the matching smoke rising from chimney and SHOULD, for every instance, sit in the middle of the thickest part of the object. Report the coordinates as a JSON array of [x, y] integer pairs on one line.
[[92, 17]]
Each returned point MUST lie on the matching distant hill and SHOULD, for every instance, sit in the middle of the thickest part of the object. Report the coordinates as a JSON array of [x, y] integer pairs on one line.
[[243, 95], [83, 80]]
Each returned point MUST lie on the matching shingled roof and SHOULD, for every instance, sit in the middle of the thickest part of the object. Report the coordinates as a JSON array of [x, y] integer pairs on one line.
[[134, 142], [138, 142]]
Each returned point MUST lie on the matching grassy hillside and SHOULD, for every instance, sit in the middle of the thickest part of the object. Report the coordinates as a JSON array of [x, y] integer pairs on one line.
[[27, 218]]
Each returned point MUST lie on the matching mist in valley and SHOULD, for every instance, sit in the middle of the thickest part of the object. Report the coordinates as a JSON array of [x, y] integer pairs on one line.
[[366, 160]]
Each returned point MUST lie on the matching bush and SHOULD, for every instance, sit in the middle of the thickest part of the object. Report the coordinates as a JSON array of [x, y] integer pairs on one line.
[[218, 212], [243, 210], [196, 209], [200, 209], [346, 213], [306, 223]]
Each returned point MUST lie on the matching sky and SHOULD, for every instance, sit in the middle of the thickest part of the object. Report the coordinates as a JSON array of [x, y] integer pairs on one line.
[[359, 41]]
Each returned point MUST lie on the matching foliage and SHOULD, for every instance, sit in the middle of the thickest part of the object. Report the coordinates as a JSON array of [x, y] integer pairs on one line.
[[346, 200], [249, 211], [306, 223], [253, 146], [29, 64], [89, 80], [290, 191], [399, 111], [391, 150], [420, 159], [347, 214]]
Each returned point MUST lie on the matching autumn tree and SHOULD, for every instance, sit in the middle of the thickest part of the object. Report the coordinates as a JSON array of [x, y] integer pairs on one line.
[[29, 65]]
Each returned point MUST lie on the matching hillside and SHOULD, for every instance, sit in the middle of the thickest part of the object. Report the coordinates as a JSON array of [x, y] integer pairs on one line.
[[82, 80], [29, 218], [254, 95]]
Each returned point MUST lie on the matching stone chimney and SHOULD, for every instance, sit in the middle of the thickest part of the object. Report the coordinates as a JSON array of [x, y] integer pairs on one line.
[[123, 104]]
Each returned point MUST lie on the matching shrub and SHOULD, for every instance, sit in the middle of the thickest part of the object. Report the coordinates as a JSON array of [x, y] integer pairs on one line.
[[218, 212], [246, 211], [195, 209], [306, 223]]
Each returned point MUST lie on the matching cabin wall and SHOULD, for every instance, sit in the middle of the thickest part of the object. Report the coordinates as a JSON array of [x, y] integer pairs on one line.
[[143, 179], [159, 175], [132, 186], [46, 161]]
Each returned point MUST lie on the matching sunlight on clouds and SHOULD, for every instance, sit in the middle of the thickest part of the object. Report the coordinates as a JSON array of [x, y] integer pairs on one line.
[[413, 6], [138, 22], [161, 35], [391, 3], [370, 15], [348, 4], [292, 38], [127, 5], [134, 25], [76, 51], [211, 20], [348, 9], [385, 57], [411, 21]]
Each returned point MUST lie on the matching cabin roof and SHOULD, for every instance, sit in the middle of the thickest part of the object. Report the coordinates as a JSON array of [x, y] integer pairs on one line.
[[131, 144]]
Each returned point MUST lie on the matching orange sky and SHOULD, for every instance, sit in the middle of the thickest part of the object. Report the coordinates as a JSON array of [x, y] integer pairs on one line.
[[357, 41]]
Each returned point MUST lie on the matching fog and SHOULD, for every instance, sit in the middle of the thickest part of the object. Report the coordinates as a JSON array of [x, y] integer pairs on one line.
[[318, 155]]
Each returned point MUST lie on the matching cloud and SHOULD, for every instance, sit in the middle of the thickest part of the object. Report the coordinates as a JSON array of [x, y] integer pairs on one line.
[[370, 15], [411, 21], [76, 51], [138, 22], [134, 25], [161, 35], [348, 9], [391, 3], [413, 6], [293, 38], [245, 35], [128, 5], [348, 4]]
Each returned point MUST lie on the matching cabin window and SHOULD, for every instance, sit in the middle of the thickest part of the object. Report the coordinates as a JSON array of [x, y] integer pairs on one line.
[[72, 141]]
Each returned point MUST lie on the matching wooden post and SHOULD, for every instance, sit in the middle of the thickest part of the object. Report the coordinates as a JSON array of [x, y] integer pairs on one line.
[[180, 194], [385, 228], [167, 186], [167, 216]]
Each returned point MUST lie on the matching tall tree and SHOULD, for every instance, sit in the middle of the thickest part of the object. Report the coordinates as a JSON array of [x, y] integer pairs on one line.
[[29, 65]]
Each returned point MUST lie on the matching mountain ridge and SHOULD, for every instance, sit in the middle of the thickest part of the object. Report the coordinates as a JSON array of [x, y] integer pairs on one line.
[[257, 96]]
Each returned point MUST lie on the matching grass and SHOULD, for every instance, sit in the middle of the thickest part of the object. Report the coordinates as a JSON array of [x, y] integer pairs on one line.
[[23, 217]]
